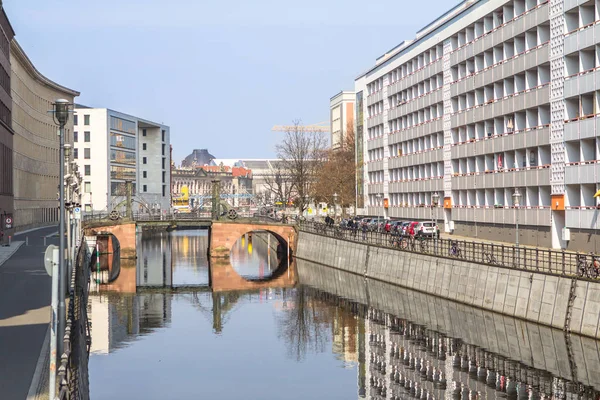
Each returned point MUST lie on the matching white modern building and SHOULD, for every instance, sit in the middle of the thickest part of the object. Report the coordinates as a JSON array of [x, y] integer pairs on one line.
[[341, 108], [111, 149], [493, 98]]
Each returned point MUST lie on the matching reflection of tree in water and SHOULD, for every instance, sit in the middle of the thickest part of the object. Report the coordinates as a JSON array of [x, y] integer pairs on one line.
[[305, 325]]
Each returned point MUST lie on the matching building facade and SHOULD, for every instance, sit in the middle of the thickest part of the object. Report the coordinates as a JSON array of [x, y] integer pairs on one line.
[[491, 98], [112, 149], [341, 107], [6, 130], [235, 184], [36, 144]]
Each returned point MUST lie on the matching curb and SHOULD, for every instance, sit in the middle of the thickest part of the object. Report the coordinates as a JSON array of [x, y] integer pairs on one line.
[[38, 390]]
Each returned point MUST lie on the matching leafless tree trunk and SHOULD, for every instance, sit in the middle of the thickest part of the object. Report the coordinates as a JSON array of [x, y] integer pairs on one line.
[[279, 185], [302, 153]]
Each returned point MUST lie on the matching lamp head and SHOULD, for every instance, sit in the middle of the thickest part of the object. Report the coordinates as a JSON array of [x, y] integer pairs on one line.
[[61, 111], [435, 198]]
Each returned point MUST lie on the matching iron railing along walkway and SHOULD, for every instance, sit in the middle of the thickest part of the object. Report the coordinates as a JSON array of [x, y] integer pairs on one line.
[[550, 261]]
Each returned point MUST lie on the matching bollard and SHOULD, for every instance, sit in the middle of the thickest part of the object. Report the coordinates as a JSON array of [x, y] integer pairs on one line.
[[44, 241], [26, 240], [9, 240]]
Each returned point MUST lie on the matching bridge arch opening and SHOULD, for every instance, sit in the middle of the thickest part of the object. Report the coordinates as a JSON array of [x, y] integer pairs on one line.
[[260, 255], [106, 258]]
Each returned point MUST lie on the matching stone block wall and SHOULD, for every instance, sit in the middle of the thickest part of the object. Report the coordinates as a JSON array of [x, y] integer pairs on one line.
[[535, 297]]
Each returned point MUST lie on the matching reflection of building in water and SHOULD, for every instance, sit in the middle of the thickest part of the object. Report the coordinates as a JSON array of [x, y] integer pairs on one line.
[[405, 359], [116, 320], [345, 329], [154, 266], [255, 255], [188, 245]]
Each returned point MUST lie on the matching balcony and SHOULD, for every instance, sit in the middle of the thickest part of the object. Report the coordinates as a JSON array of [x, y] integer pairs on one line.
[[588, 218], [508, 216], [582, 173]]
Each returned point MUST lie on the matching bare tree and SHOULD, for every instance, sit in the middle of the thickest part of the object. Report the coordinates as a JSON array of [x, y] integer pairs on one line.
[[302, 153], [338, 174], [279, 184]]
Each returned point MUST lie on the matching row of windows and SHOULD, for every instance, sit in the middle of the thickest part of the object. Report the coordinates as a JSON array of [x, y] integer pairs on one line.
[[124, 173], [86, 119], [122, 125], [86, 137], [86, 153], [5, 79], [126, 142]]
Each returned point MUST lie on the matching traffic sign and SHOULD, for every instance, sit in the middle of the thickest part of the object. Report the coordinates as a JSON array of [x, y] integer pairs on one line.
[[77, 213], [8, 222], [49, 258]]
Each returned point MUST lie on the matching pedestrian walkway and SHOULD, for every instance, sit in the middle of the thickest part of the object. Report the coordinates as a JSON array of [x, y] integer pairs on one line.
[[25, 291], [7, 251]]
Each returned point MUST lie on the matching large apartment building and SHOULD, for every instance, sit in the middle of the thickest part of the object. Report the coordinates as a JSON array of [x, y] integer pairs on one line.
[[492, 97], [112, 149]]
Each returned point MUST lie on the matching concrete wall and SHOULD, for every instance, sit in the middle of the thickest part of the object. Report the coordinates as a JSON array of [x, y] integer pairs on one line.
[[531, 344], [534, 297]]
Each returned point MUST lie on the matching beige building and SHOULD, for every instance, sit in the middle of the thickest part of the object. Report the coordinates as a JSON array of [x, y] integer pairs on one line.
[[6, 134], [341, 108], [35, 142]]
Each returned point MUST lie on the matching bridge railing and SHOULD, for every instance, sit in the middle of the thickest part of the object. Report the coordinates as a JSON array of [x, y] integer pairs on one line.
[[557, 262], [145, 217], [72, 373]]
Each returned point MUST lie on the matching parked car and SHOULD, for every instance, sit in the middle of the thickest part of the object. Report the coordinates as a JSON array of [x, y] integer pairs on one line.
[[429, 229]]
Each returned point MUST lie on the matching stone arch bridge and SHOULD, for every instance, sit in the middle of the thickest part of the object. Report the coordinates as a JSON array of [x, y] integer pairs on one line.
[[222, 237]]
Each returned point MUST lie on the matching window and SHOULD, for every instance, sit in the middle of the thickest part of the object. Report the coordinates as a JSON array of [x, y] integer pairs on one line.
[[143, 132], [75, 136], [164, 190], [88, 208], [143, 146], [145, 188], [163, 163], [86, 119], [144, 160], [163, 135], [87, 187], [122, 125], [163, 149], [87, 170], [118, 140], [145, 174], [86, 137], [75, 154], [86, 153], [164, 176], [75, 119]]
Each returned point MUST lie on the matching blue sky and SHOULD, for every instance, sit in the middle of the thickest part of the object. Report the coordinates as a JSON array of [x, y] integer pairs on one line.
[[219, 73]]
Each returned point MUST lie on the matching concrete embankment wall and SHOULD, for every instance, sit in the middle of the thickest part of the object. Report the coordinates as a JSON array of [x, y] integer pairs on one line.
[[531, 344], [536, 297]]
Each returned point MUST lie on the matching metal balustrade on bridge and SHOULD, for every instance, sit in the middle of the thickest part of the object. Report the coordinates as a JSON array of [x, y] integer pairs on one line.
[[556, 262], [199, 216]]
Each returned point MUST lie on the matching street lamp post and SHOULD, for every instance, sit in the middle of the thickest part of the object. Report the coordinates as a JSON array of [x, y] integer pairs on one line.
[[306, 202], [59, 288], [435, 200], [335, 200], [378, 196], [516, 202]]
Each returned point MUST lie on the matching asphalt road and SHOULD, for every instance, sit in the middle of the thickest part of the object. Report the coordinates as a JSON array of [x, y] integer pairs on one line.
[[25, 291]]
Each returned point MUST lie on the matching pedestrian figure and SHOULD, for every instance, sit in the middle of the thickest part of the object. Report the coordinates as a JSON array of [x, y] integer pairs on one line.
[[364, 232]]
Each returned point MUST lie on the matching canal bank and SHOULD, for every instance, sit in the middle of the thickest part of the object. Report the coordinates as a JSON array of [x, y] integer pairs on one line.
[[557, 301]]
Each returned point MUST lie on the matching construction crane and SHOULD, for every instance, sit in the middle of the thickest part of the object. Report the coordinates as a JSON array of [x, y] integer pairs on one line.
[[318, 127]]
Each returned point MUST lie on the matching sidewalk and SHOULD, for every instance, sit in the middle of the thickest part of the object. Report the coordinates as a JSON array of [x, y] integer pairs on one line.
[[25, 290]]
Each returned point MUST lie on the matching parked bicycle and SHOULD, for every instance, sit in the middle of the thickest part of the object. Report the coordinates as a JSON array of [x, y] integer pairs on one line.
[[591, 270], [417, 243], [489, 258], [455, 250]]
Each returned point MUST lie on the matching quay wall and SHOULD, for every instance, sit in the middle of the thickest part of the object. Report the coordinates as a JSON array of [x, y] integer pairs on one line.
[[531, 296]]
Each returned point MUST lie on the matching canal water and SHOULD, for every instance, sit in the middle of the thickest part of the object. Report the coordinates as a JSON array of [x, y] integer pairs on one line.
[[159, 332]]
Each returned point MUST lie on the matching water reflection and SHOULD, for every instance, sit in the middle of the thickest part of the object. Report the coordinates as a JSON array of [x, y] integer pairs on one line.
[[177, 258], [334, 336], [254, 255]]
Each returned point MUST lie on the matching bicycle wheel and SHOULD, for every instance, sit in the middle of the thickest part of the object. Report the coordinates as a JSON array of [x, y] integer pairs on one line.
[[404, 244], [592, 272]]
